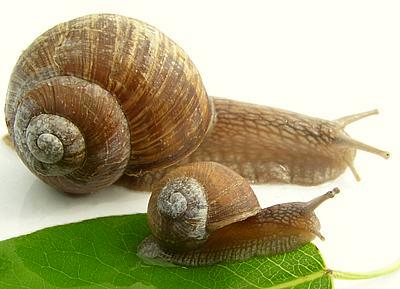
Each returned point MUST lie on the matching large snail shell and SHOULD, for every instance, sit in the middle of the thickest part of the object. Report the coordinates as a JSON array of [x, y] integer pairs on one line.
[[101, 95], [196, 199]]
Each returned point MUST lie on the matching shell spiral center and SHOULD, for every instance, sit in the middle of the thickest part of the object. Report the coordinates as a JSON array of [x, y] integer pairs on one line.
[[51, 149], [182, 210], [56, 145]]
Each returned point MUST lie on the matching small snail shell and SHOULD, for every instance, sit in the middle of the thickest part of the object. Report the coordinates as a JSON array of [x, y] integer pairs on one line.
[[187, 204], [204, 213], [104, 95]]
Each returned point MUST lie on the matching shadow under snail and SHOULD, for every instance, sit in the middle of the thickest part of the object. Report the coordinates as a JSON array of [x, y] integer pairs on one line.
[[204, 213], [104, 95]]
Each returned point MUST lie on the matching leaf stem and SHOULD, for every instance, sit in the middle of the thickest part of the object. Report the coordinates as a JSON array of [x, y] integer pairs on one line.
[[367, 275]]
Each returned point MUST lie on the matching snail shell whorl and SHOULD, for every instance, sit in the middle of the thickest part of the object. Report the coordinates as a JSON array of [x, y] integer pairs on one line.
[[182, 203], [198, 198], [55, 135], [51, 138], [163, 108]]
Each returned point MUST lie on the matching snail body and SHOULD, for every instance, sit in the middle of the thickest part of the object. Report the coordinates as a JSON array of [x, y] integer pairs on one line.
[[270, 145], [103, 96], [221, 225]]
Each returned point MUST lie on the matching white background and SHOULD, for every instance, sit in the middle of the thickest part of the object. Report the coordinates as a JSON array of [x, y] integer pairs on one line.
[[326, 59]]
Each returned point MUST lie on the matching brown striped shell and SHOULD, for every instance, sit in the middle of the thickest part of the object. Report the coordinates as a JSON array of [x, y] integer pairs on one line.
[[195, 200], [104, 95]]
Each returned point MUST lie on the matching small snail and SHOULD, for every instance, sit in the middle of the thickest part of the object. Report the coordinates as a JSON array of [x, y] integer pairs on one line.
[[105, 95], [204, 213]]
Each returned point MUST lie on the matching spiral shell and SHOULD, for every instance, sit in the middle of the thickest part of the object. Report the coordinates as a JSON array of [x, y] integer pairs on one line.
[[196, 199], [104, 95]]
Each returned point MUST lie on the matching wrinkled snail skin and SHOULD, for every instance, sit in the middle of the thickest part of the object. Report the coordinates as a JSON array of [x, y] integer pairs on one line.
[[127, 97], [187, 238], [269, 145]]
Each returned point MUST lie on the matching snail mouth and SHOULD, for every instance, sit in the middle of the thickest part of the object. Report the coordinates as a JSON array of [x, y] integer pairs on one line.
[[318, 234]]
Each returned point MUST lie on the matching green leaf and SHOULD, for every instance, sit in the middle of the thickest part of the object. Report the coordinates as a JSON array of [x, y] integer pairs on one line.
[[101, 253]]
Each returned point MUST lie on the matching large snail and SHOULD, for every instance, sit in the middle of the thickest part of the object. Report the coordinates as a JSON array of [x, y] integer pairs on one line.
[[204, 213], [104, 95]]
